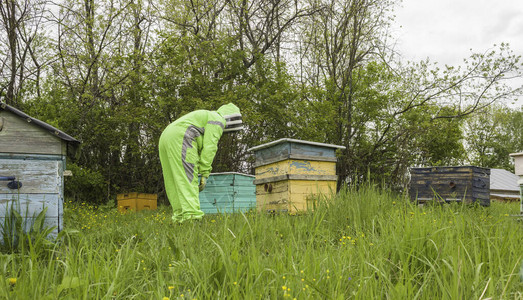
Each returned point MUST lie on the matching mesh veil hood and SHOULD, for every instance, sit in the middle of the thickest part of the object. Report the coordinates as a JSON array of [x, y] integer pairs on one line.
[[233, 117]]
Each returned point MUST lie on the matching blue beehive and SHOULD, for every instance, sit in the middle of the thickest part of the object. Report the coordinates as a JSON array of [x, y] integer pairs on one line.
[[228, 192], [32, 166]]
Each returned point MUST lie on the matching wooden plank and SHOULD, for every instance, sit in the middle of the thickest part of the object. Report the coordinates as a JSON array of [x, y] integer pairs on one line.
[[314, 187], [37, 176], [31, 204], [19, 136], [48, 223], [296, 177], [271, 160], [312, 150], [134, 195], [292, 166], [274, 200]]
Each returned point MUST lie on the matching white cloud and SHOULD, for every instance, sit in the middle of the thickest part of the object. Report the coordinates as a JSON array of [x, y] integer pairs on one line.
[[446, 30]]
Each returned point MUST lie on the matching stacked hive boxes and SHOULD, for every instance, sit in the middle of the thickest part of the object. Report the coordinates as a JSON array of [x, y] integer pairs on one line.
[[136, 201], [465, 184], [228, 192], [291, 173]]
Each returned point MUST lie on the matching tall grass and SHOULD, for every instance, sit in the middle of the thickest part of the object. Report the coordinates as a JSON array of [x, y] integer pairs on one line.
[[365, 243]]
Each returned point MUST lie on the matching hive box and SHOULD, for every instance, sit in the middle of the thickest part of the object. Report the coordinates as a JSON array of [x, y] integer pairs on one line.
[[228, 192], [290, 174], [34, 153], [467, 184], [136, 201]]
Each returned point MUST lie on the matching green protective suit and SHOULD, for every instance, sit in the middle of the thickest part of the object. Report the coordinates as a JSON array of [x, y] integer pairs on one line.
[[187, 148]]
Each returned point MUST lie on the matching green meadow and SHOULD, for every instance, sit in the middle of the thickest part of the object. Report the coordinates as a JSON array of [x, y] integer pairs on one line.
[[365, 243]]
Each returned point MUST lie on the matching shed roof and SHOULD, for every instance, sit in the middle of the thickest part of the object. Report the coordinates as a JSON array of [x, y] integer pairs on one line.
[[56, 132], [503, 180]]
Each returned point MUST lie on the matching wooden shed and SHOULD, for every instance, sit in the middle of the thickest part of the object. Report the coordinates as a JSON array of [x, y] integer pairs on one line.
[[291, 173], [32, 153], [228, 192], [466, 184]]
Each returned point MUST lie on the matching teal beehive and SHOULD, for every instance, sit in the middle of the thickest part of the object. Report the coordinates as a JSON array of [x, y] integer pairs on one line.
[[228, 192]]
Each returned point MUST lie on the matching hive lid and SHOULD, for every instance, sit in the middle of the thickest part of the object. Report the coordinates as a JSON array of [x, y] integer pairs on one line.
[[232, 173], [293, 141]]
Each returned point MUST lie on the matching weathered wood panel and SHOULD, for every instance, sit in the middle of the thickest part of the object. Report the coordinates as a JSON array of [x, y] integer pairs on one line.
[[37, 176], [445, 184], [19, 136], [292, 195], [32, 204], [291, 166], [48, 223], [293, 149]]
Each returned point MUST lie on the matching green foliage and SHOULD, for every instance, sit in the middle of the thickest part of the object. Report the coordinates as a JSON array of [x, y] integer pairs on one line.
[[492, 135], [366, 243], [22, 233], [85, 185], [120, 72]]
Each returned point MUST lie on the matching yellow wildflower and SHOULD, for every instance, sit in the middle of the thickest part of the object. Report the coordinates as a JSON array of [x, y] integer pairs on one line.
[[12, 281]]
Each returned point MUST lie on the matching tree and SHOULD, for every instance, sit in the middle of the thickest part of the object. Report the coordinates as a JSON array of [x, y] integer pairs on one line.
[[22, 48], [492, 134]]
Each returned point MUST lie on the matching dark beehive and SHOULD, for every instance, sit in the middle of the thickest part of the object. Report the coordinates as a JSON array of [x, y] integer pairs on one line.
[[467, 184]]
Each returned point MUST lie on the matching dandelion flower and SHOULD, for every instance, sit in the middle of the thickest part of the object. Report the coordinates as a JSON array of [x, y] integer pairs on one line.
[[165, 298], [171, 287], [12, 281]]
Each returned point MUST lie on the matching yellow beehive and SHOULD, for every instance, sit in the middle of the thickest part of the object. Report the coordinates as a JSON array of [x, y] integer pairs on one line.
[[290, 174], [136, 201]]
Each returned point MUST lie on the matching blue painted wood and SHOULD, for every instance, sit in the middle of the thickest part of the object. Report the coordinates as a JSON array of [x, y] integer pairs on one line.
[[288, 148], [31, 204], [282, 149], [48, 223], [43, 186], [228, 193], [312, 150]]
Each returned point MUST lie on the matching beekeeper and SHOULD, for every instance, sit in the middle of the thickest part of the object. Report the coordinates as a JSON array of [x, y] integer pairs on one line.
[[187, 148]]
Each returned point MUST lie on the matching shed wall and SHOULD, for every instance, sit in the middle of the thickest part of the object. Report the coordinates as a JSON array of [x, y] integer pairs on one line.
[[19, 136]]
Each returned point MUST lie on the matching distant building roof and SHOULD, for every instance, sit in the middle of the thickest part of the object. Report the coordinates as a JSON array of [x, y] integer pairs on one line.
[[503, 184], [503, 180]]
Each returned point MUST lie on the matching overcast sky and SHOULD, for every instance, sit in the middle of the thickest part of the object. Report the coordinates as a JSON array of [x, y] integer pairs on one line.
[[446, 30]]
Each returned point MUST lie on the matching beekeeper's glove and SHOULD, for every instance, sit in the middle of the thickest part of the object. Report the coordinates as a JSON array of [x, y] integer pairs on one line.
[[203, 182]]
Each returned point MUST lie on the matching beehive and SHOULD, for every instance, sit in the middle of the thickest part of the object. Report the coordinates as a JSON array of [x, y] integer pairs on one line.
[[465, 184], [33, 155], [136, 201], [290, 174], [228, 192]]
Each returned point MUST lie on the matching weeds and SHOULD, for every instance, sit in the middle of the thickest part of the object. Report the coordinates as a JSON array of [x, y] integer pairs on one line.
[[364, 243]]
